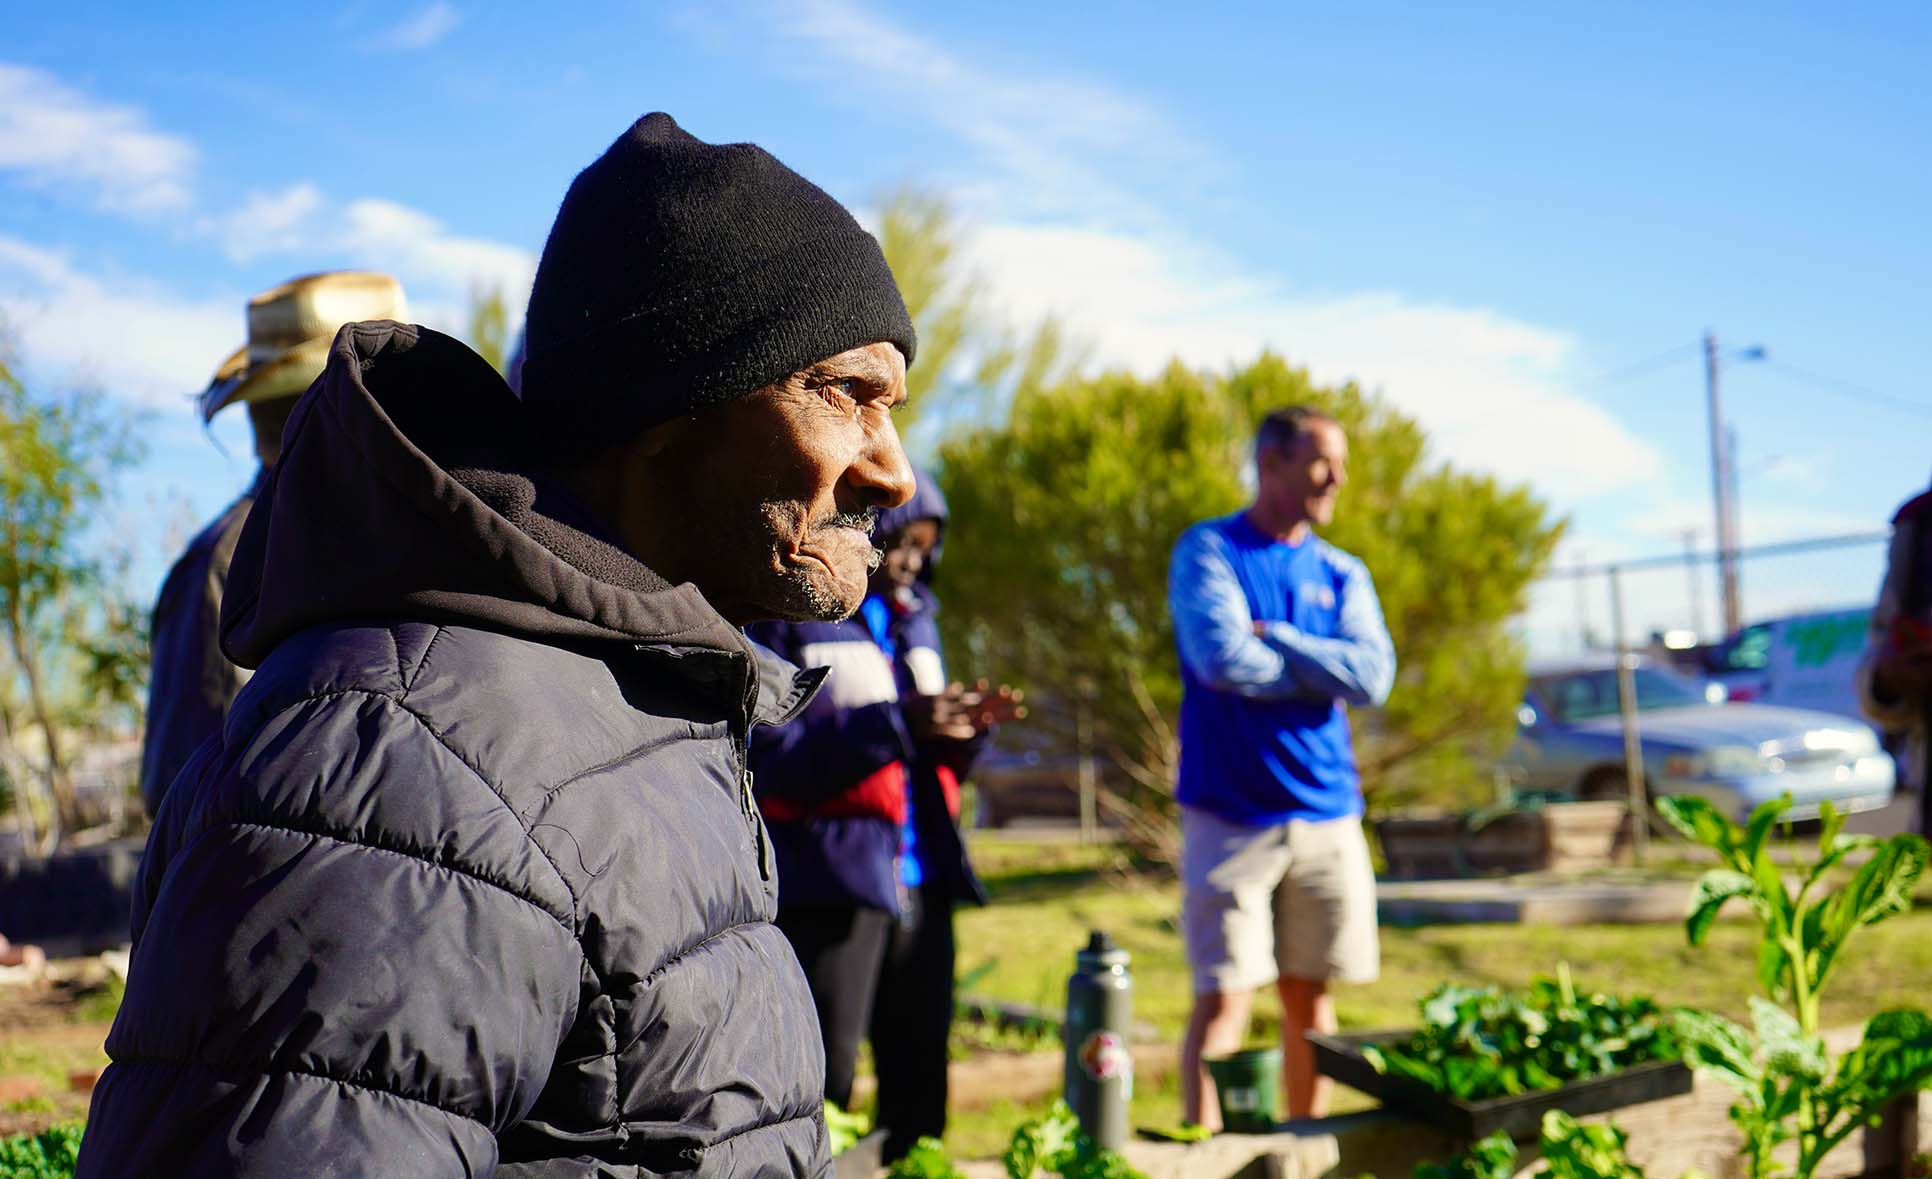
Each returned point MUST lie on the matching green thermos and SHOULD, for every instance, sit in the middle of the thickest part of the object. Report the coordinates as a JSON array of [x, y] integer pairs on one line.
[[1100, 1065]]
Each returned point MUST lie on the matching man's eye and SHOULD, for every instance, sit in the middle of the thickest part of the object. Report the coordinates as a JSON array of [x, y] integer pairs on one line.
[[843, 388]]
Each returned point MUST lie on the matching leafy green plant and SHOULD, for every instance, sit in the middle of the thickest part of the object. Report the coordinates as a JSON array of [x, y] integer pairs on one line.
[[926, 1160], [1054, 1145], [1480, 1043], [1571, 1150], [1789, 1085], [844, 1129], [1493, 1157], [50, 1154]]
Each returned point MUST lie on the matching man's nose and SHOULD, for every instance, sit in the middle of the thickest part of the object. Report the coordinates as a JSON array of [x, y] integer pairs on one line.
[[882, 475]]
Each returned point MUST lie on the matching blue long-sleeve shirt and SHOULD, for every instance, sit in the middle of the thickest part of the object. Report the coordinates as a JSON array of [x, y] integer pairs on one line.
[[1264, 724]]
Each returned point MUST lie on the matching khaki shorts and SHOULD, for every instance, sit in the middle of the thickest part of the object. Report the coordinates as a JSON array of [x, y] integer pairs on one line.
[[1260, 903]]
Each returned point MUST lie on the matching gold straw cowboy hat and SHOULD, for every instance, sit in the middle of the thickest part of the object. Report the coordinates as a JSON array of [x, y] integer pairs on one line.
[[290, 328]]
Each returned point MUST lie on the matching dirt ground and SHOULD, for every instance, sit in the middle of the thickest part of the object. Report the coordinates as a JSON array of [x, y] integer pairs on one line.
[[51, 1031]]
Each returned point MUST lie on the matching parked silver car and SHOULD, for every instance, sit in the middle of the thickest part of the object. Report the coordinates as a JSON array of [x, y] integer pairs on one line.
[[1570, 742]]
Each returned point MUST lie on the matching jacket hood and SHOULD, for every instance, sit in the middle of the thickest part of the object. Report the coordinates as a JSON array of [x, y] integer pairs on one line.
[[405, 490], [927, 503]]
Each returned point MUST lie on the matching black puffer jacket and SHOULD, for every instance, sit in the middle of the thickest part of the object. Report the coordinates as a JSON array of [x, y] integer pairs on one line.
[[472, 884]]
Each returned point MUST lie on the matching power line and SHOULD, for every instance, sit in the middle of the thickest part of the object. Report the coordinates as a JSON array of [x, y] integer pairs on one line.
[[1640, 367], [1850, 390], [1781, 549]]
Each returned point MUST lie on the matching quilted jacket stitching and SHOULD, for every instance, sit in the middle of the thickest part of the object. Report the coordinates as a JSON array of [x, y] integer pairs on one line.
[[348, 840], [576, 902], [235, 1074], [543, 801], [663, 968], [422, 661]]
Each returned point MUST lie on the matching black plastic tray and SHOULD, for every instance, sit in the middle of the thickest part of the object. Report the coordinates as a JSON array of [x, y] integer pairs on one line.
[[1521, 1117]]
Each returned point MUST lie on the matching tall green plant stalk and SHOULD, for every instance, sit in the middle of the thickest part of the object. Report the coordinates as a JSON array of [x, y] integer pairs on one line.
[[1789, 1085]]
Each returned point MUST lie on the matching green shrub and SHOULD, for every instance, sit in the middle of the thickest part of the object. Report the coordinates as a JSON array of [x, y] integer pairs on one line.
[[50, 1154]]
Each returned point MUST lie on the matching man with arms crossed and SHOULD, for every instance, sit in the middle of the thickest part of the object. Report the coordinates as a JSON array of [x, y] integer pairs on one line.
[[1278, 632]]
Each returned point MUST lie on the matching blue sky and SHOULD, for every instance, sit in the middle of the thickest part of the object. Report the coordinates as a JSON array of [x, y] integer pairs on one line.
[[1495, 214]]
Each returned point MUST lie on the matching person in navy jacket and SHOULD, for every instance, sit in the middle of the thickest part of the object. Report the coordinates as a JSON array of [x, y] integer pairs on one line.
[[861, 796]]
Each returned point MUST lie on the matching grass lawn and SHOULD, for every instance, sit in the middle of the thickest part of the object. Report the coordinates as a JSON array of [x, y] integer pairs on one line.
[[1047, 896]]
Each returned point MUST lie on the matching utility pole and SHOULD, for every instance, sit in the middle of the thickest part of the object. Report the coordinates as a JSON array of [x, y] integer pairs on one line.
[[1696, 582], [1721, 494], [1636, 798], [1585, 639], [1732, 500]]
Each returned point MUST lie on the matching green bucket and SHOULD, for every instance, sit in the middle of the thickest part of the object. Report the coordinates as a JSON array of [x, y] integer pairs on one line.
[[1245, 1083]]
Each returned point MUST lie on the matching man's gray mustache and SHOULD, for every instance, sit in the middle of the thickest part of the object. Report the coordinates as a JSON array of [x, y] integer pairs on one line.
[[866, 521]]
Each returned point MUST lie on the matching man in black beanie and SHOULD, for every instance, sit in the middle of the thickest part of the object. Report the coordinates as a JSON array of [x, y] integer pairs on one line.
[[472, 883]]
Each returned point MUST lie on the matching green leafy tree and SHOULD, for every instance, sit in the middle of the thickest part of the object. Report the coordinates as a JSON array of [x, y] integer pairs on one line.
[[57, 455], [1065, 515], [921, 240], [968, 362], [490, 325]]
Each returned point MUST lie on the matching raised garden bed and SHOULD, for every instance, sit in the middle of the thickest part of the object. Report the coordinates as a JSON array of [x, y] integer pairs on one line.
[[1520, 1116], [1557, 837]]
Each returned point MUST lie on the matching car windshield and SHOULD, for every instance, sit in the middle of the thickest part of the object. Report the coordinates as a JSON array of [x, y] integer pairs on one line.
[[1586, 695]]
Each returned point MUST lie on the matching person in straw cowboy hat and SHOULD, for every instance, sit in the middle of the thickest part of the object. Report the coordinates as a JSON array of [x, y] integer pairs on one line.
[[290, 328]]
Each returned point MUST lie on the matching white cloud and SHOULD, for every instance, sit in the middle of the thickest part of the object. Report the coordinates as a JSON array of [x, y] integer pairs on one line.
[[139, 340], [129, 338], [58, 138], [271, 222], [422, 30], [438, 268], [1490, 389], [1055, 142], [428, 258], [1073, 171]]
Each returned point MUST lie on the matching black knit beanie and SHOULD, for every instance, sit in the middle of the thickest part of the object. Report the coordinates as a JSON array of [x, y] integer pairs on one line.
[[681, 274]]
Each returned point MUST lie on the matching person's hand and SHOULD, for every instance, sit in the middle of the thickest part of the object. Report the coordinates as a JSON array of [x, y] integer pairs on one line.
[[961, 713]]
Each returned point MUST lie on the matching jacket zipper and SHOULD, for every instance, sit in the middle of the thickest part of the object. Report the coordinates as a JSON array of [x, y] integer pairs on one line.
[[745, 799], [741, 746], [757, 827]]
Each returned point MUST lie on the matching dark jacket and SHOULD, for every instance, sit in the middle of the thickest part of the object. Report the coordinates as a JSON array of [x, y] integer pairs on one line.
[[1901, 616], [472, 884], [835, 784], [832, 782], [937, 770], [190, 682]]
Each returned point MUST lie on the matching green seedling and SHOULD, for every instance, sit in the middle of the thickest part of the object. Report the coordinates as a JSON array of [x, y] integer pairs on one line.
[[1789, 1085]]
